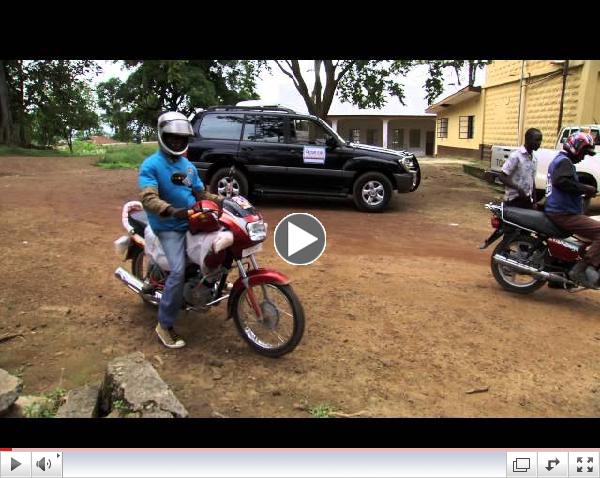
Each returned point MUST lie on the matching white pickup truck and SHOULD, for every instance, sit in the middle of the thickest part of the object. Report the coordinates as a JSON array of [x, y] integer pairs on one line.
[[588, 169]]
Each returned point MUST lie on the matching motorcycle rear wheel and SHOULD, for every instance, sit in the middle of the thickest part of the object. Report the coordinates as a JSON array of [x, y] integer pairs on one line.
[[282, 325], [519, 249], [139, 268]]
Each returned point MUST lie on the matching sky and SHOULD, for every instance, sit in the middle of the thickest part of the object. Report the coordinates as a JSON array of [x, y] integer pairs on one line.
[[277, 88]]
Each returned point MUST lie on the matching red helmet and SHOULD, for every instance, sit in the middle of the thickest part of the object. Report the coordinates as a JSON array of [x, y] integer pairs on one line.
[[205, 217], [579, 145]]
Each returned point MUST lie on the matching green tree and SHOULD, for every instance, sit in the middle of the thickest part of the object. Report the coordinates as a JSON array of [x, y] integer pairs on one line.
[[65, 111], [155, 86], [434, 85], [111, 99], [364, 83], [31, 90]]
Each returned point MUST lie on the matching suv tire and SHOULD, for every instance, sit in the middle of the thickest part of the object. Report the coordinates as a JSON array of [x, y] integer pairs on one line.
[[372, 192], [217, 182]]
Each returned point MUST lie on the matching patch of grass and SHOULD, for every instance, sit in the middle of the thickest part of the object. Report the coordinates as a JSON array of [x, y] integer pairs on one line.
[[80, 148], [16, 151], [121, 407], [129, 157], [49, 407], [83, 148], [322, 410]]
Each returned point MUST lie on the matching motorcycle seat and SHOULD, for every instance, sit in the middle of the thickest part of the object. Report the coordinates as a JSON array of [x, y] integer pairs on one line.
[[138, 220], [535, 220]]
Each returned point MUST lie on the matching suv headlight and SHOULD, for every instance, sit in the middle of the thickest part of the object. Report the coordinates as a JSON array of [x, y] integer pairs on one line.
[[407, 162], [257, 230]]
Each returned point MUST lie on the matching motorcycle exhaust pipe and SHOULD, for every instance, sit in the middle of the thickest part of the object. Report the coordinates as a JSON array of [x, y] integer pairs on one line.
[[134, 283], [549, 276]]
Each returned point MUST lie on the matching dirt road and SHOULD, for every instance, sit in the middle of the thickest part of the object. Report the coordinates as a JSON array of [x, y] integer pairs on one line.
[[403, 315]]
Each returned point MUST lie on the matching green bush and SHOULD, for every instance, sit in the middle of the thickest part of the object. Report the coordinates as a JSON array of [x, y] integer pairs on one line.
[[49, 407], [83, 148], [129, 157]]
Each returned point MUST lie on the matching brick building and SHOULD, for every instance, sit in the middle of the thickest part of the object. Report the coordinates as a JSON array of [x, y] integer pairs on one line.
[[517, 95]]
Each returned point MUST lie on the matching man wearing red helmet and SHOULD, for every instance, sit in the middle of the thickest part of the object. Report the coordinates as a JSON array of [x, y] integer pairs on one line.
[[564, 204], [170, 186]]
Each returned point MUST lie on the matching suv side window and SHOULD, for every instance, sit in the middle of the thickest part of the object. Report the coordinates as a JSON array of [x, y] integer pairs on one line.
[[221, 126], [306, 131], [268, 129]]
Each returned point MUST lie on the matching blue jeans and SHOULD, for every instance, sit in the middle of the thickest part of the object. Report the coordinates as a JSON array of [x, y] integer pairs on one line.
[[173, 243]]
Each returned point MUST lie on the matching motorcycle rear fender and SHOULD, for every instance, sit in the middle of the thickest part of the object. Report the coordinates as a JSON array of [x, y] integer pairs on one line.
[[255, 277], [497, 234]]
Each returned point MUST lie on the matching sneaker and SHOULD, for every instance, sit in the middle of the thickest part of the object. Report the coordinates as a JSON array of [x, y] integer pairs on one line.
[[169, 338]]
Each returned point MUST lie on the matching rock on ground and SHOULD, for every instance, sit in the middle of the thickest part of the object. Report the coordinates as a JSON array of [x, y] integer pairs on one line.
[[81, 402], [10, 388], [133, 381]]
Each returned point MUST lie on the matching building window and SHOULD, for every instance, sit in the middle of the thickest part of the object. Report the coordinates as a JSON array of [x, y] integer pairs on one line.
[[398, 138], [466, 127], [414, 138], [442, 128], [354, 135], [371, 136]]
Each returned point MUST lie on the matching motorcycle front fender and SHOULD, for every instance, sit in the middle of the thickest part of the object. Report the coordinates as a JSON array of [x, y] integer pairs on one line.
[[255, 277]]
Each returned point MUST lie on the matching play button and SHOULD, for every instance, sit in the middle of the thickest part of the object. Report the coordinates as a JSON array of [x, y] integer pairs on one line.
[[14, 464], [300, 239]]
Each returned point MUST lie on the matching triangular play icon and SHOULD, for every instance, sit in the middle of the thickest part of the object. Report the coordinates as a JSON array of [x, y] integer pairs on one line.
[[298, 239], [14, 464]]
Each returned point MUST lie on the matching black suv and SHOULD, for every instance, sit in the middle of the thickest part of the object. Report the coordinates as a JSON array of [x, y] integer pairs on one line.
[[277, 151]]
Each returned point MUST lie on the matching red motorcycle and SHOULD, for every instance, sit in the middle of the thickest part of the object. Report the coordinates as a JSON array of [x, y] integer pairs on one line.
[[533, 250], [262, 303]]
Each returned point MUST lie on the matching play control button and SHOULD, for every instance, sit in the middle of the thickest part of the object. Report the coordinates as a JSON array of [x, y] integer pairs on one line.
[[14, 464], [300, 239]]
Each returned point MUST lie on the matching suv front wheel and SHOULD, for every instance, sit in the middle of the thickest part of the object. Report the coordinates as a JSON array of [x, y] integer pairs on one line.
[[218, 183], [372, 192]]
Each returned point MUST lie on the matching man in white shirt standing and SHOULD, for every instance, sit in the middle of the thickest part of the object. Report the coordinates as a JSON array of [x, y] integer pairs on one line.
[[518, 172]]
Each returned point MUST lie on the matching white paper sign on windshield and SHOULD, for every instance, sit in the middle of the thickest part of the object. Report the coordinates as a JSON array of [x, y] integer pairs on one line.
[[314, 155]]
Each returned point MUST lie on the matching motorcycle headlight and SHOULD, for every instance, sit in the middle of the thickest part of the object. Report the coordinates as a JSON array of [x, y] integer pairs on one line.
[[257, 231]]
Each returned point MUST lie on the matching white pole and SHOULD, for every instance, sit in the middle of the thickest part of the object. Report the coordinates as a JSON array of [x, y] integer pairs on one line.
[[385, 133]]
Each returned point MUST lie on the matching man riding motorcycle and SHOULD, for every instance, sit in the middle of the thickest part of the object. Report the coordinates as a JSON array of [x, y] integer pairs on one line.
[[564, 204], [170, 186]]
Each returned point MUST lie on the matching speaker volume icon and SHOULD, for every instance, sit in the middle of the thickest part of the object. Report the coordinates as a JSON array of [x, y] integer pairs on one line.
[[43, 464]]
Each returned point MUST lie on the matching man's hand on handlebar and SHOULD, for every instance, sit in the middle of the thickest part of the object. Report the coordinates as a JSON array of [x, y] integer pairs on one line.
[[590, 191], [180, 213]]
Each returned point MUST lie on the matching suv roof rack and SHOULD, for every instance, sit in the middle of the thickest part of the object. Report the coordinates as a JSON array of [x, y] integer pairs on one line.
[[250, 108]]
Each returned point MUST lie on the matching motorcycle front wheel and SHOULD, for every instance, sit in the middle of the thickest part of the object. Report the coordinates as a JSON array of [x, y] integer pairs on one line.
[[520, 250], [281, 326]]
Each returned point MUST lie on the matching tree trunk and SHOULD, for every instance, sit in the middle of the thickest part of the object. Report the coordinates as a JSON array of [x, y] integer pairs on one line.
[[23, 129], [5, 115], [472, 70]]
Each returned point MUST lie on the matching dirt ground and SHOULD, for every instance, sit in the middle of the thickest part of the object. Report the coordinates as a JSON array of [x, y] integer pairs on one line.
[[403, 315]]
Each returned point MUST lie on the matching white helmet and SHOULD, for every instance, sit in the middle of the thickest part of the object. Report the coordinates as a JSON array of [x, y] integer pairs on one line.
[[174, 131]]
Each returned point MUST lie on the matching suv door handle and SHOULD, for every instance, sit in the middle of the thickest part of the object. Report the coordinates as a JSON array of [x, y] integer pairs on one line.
[[247, 148]]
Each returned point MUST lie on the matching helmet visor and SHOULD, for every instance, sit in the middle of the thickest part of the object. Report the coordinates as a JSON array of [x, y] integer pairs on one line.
[[175, 142], [176, 126]]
